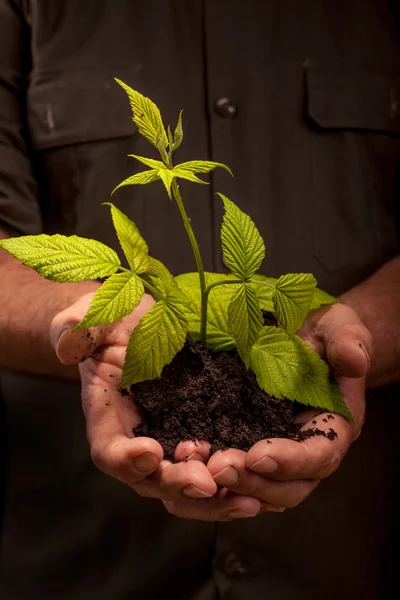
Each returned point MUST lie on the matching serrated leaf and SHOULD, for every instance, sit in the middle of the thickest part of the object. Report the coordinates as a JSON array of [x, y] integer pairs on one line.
[[184, 174], [292, 299], [320, 298], [219, 337], [139, 179], [155, 341], [245, 320], [264, 287], [115, 299], [202, 166], [149, 162], [265, 292], [242, 245], [146, 116], [63, 258], [178, 133], [286, 367], [167, 178], [160, 278], [132, 243]]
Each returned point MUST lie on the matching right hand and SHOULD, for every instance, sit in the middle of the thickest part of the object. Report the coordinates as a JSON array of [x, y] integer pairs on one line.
[[186, 487]]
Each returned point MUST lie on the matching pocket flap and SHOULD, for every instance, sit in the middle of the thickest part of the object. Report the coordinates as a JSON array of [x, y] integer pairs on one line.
[[69, 107], [342, 97]]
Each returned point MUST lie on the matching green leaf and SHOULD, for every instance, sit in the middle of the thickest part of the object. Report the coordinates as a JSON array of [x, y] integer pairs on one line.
[[146, 116], [265, 293], [286, 367], [202, 166], [64, 259], [159, 277], [149, 162], [139, 179], [219, 337], [320, 298], [245, 320], [292, 299], [170, 137], [156, 340], [242, 245], [264, 287], [167, 177], [115, 299], [132, 243], [183, 174], [178, 133]]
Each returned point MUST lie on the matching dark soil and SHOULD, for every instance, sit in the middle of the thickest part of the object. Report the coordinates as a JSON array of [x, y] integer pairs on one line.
[[212, 397]]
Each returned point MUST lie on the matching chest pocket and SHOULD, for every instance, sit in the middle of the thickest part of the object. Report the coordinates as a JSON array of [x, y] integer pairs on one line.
[[81, 130], [354, 118]]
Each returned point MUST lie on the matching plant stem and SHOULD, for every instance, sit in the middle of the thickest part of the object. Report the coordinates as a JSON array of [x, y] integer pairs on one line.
[[198, 259], [224, 282], [261, 282], [155, 293]]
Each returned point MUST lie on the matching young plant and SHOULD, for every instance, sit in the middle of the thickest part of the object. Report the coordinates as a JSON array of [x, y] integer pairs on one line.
[[223, 311]]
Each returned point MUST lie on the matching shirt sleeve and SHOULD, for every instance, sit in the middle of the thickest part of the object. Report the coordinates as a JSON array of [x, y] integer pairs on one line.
[[19, 206]]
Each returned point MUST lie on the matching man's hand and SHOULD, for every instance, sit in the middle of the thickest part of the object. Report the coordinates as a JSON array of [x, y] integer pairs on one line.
[[111, 417], [281, 473], [272, 476]]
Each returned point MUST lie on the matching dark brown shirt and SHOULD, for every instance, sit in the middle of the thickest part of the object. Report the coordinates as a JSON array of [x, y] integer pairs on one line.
[[301, 99]]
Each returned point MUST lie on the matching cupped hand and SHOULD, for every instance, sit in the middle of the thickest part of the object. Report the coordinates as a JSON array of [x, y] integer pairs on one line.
[[112, 415], [281, 473]]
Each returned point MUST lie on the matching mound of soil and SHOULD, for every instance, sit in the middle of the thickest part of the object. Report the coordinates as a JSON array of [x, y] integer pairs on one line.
[[211, 397]]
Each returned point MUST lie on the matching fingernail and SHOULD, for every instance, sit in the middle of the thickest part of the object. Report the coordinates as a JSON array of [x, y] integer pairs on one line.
[[365, 352], [194, 492], [62, 333], [278, 509], [265, 465], [145, 462], [227, 477], [236, 513]]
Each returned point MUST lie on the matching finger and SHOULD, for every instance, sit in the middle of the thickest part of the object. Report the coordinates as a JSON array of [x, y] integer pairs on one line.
[[224, 506], [189, 479], [286, 460], [176, 484], [73, 347], [192, 450], [227, 467], [235, 476], [347, 350], [179, 482], [265, 507], [110, 419], [338, 334], [316, 457], [353, 390]]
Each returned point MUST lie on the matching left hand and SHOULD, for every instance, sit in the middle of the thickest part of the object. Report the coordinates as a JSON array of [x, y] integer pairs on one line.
[[281, 473]]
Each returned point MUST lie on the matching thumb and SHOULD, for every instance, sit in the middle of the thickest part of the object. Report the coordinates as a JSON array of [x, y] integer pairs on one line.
[[347, 342], [74, 347]]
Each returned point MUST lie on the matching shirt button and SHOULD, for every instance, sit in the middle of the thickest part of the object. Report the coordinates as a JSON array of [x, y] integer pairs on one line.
[[233, 565], [225, 108]]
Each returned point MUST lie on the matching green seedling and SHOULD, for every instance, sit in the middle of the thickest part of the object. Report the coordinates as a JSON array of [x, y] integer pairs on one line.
[[224, 311]]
